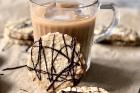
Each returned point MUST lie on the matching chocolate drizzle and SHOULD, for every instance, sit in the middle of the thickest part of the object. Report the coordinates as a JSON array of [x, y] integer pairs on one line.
[[1, 74], [13, 68], [53, 70], [70, 92], [65, 45], [52, 75], [24, 90]]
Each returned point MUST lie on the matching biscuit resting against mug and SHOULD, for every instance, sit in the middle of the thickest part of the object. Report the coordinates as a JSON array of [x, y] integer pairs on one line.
[[83, 89], [56, 62], [19, 32], [122, 36]]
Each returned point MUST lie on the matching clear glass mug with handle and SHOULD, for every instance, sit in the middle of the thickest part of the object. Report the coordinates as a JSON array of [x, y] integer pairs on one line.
[[73, 17]]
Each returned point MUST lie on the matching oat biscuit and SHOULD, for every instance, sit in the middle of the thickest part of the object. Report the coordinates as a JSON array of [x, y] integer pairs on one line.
[[122, 36], [20, 32], [56, 62], [82, 89]]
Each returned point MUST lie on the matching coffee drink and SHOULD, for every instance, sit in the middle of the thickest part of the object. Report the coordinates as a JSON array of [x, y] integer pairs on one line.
[[64, 18]]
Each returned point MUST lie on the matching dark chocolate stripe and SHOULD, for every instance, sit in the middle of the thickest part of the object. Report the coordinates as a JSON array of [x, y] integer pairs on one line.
[[70, 92], [13, 68], [65, 44], [53, 70]]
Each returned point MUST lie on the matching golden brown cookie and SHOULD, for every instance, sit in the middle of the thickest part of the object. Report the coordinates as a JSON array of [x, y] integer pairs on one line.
[[56, 62], [20, 32], [122, 36], [83, 89]]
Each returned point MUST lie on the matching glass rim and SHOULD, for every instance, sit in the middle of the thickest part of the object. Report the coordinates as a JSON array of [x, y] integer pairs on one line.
[[84, 6]]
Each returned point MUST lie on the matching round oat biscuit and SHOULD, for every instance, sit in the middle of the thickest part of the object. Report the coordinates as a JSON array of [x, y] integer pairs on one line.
[[19, 30], [82, 89], [122, 36], [56, 62]]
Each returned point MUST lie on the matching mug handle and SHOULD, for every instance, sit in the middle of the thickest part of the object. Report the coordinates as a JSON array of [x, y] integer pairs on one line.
[[112, 26]]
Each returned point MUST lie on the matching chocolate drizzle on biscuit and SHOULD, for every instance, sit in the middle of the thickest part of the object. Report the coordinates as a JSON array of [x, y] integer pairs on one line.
[[70, 92], [53, 76]]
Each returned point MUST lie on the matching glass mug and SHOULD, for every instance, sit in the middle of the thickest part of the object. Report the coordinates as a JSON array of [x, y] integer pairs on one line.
[[73, 17]]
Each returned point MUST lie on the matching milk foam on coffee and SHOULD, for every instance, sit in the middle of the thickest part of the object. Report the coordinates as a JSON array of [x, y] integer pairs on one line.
[[64, 18]]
